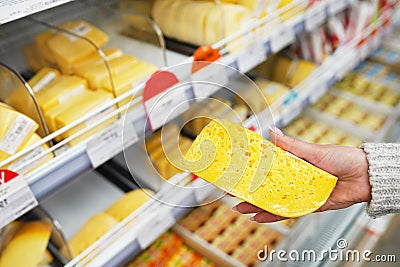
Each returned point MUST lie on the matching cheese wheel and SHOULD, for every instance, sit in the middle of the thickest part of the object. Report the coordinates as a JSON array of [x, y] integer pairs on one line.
[[247, 166], [28, 246], [97, 226], [127, 204]]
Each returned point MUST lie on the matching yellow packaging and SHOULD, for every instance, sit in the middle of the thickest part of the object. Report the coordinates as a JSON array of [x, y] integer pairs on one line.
[[68, 48], [76, 111], [60, 90], [244, 164], [95, 59], [42, 78]]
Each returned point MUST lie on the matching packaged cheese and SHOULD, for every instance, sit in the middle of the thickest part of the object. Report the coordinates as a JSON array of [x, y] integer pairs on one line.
[[95, 59], [97, 226], [127, 204], [42, 78], [60, 90], [68, 48], [31, 239], [15, 132], [94, 100], [244, 164]]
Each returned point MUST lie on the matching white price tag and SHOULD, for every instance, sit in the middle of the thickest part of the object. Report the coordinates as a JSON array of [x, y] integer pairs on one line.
[[251, 56], [348, 61], [16, 134], [164, 107], [16, 198], [109, 142], [315, 16], [209, 80], [282, 38], [11, 10], [336, 6], [161, 220], [201, 189]]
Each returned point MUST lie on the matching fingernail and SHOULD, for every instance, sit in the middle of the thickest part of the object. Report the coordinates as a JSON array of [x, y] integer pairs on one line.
[[252, 219], [277, 131], [235, 208]]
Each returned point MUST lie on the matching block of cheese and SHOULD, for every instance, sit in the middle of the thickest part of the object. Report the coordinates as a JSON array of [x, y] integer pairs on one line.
[[282, 70], [68, 48], [97, 226], [244, 164], [302, 71], [97, 74], [32, 240], [95, 59], [168, 131], [15, 131], [42, 78], [127, 204], [20, 165], [272, 91], [59, 91], [94, 100]]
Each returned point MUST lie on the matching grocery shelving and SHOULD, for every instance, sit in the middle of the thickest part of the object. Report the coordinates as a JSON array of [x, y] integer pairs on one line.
[[152, 219]]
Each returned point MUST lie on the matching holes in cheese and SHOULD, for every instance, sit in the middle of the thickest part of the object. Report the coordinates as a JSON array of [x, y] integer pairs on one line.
[[244, 164]]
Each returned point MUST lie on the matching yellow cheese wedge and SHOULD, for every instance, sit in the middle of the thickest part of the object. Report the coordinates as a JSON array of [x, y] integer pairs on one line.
[[244, 164], [17, 164], [32, 239], [15, 131], [95, 59], [68, 48], [59, 91], [303, 70], [42, 78], [168, 131], [94, 100], [127, 204], [97, 226]]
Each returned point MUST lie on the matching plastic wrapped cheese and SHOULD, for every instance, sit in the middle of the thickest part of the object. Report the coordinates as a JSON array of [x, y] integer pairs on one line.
[[43, 78], [93, 101], [68, 48], [95, 59], [28, 246], [127, 204], [60, 90], [244, 164], [97, 226], [15, 131]]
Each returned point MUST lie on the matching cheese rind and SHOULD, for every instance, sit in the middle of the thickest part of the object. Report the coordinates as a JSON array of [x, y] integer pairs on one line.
[[244, 164]]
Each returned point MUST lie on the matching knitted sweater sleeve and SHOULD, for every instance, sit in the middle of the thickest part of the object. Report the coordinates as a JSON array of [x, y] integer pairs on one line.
[[384, 173]]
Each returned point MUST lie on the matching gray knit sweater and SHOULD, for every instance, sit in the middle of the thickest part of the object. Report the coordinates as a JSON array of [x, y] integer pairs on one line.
[[384, 173]]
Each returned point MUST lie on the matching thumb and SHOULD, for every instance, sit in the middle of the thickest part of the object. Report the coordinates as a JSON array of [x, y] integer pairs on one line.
[[304, 150]]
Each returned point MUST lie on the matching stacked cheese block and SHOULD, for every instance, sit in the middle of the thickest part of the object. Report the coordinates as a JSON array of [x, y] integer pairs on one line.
[[263, 95], [351, 112], [101, 223], [74, 71], [230, 232], [205, 22], [169, 251], [25, 244], [17, 133], [318, 132], [166, 148]]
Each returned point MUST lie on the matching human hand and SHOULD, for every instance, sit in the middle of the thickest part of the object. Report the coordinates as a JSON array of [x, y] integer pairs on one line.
[[348, 164]]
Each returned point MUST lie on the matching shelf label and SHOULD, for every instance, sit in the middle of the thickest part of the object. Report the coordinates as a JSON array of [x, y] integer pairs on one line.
[[110, 142], [11, 10], [282, 38], [290, 112], [163, 98], [318, 91], [315, 16], [16, 198], [208, 80], [251, 56], [336, 6], [158, 222]]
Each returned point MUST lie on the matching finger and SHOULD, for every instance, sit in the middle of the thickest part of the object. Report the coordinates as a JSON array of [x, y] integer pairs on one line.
[[297, 147], [247, 208], [266, 217]]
